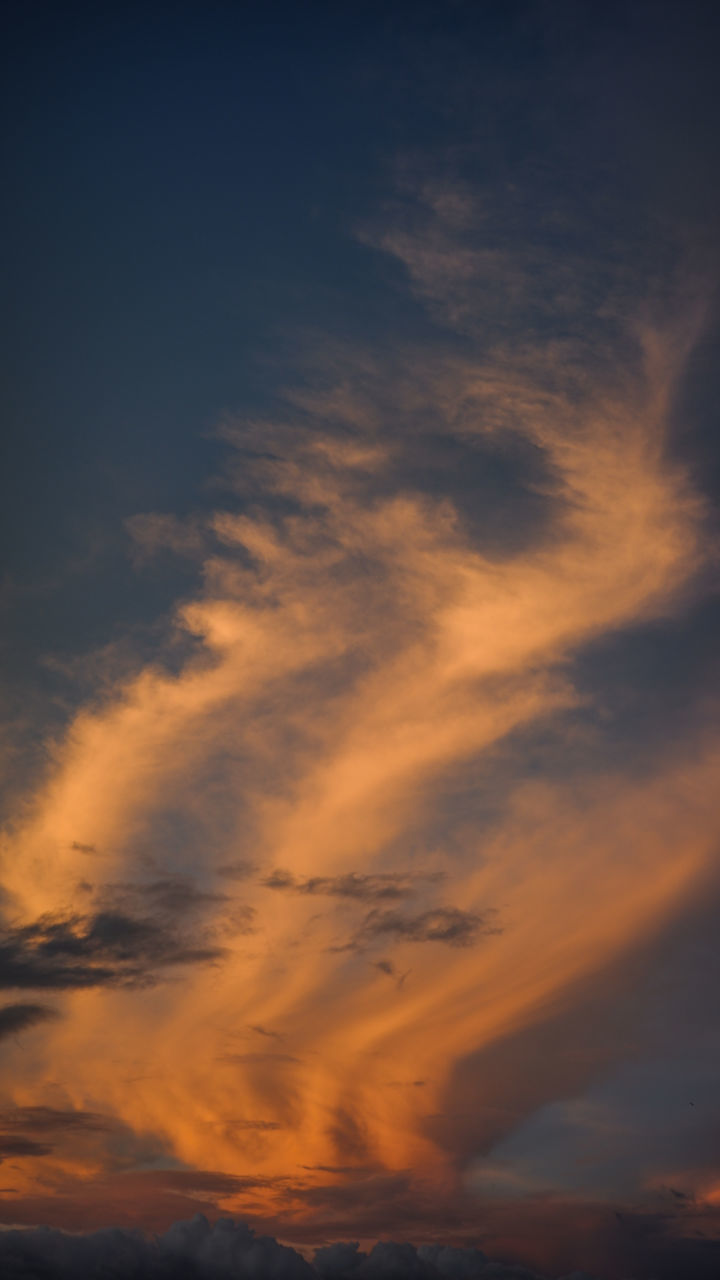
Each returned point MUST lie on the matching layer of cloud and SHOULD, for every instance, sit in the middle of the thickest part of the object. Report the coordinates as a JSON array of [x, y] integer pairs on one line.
[[197, 1250]]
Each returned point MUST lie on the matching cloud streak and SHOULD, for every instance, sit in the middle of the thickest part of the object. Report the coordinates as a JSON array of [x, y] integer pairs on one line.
[[55, 952], [448, 925], [364, 888]]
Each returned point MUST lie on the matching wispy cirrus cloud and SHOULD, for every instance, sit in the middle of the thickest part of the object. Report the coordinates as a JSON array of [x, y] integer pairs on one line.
[[394, 594]]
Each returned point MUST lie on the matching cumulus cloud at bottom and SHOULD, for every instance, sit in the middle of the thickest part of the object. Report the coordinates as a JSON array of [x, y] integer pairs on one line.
[[197, 1250]]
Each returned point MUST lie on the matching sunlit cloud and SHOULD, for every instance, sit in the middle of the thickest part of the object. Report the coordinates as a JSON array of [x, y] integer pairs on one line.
[[228, 859]]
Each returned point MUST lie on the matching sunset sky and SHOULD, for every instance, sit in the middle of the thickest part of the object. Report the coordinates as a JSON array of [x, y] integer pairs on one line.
[[360, 863]]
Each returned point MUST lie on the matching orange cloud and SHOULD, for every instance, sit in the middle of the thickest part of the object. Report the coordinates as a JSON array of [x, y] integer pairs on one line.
[[355, 649]]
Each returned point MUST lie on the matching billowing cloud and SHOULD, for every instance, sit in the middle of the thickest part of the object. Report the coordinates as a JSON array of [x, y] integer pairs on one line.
[[228, 1249], [211, 1251]]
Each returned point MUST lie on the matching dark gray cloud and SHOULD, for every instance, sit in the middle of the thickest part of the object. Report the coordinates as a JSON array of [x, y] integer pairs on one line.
[[386, 966], [178, 896], [38, 1130], [406, 1262], [226, 1250], [14, 1146], [192, 1250], [450, 925], [55, 1120], [171, 895], [363, 888], [108, 948], [18, 1017], [661, 1246], [173, 901]]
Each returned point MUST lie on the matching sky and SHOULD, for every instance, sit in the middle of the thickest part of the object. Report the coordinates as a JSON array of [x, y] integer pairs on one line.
[[359, 885]]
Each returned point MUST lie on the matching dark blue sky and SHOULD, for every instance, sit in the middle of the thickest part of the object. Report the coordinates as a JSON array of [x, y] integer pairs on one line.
[[185, 188], [185, 181]]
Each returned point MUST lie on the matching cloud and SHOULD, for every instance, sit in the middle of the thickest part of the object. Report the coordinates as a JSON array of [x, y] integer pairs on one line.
[[13, 1146], [54, 1120], [379, 681], [450, 925], [352, 885], [188, 1249], [177, 896], [406, 1262], [18, 1017], [391, 970], [228, 1249], [71, 952], [172, 896]]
